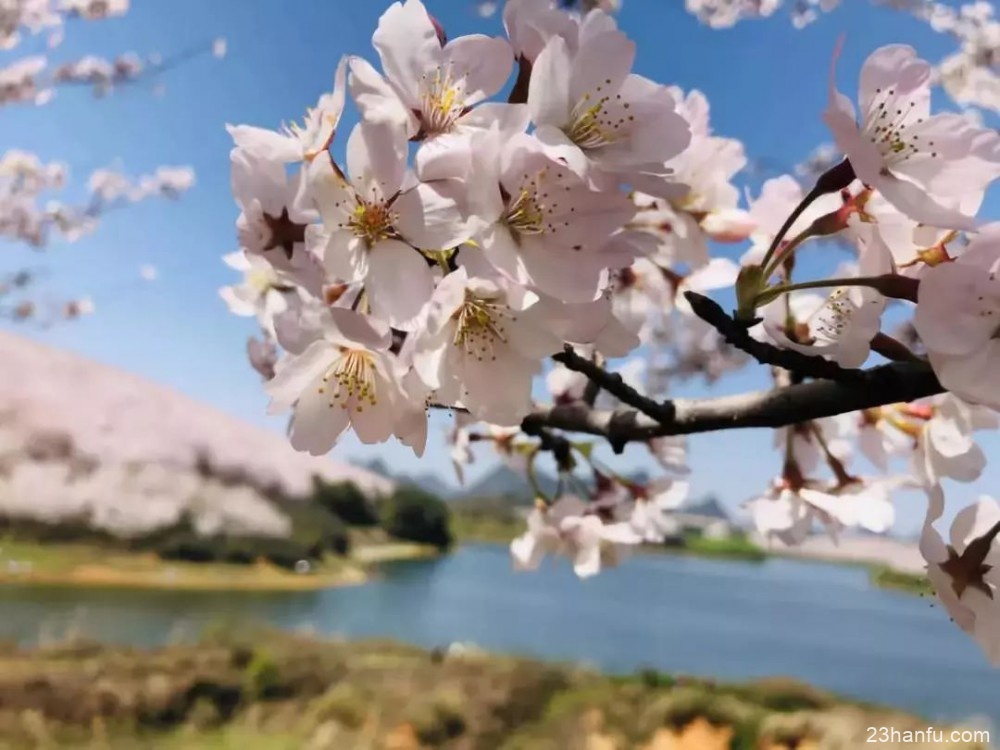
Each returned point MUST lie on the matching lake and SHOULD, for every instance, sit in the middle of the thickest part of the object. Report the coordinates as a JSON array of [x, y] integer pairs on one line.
[[821, 623]]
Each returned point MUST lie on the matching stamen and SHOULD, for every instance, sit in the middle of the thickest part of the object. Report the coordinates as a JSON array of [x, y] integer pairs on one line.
[[354, 380], [442, 101], [372, 221], [480, 327]]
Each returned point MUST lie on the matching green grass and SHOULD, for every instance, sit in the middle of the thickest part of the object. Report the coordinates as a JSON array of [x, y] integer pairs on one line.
[[911, 583], [734, 547], [95, 565], [472, 526]]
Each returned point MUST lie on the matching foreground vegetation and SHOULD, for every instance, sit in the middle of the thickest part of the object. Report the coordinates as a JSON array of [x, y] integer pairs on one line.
[[278, 692], [336, 534]]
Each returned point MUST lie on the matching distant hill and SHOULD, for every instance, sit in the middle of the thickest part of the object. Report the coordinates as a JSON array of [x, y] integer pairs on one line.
[[707, 506], [82, 439], [427, 481]]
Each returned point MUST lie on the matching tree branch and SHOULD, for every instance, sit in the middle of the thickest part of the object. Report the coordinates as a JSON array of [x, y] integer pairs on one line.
[[767, 354], [887, 384], [612, 382]]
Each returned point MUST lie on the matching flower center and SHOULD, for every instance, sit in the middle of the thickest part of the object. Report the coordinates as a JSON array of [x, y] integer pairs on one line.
[[888, 125], [528, 213], [372, 221], [442, 100], [480, 326], [283, 233], [260, 281], [597, 122], [354, 380], [833, 318]]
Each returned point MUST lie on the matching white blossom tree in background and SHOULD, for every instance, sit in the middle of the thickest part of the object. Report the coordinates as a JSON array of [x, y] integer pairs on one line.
[[467, 247], [30, 214]]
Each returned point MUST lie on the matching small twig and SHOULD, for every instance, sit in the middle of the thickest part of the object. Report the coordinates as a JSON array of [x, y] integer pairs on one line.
[[612, 382], [736, 334], [593, 389], [549, 440], [893, 349]]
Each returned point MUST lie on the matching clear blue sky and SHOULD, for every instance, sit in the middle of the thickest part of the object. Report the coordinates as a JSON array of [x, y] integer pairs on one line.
[[765, 80]]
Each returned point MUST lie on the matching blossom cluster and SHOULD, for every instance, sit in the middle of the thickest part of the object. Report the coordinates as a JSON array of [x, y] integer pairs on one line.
[[36, 15], [970, 75], [28, 215], [462, 242]]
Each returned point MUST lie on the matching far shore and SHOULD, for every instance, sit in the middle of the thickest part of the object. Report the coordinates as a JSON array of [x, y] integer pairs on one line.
[[90, 566]]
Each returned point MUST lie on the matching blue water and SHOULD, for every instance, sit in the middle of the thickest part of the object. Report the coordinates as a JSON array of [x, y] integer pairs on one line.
[[820, 623]]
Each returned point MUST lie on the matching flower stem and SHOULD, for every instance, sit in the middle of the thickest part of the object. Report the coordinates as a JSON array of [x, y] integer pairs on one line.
[[786, 251], [889, 285], [792, 217]]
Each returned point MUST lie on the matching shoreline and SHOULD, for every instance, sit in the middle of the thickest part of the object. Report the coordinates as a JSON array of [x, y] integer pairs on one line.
[[28, 564]]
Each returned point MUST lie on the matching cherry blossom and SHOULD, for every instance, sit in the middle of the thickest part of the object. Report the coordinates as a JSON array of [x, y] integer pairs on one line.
[[297, 143], [962, 572], [596, 115], [567, 528], [908, 155], [946, 446], [482, 345], [531, 23], [547, 229], [375, 220], [345, 378], [431, 88], [263, 293], [463, 247], [788, 515], [958, 316], [841, 326]]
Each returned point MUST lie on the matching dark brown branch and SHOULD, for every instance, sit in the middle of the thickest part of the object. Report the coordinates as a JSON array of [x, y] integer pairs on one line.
[[887, 384], [736, 334], [612, 382]]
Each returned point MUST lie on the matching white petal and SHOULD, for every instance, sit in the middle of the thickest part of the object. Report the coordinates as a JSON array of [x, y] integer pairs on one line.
[[548, 93], [399, 283], [295, 373]]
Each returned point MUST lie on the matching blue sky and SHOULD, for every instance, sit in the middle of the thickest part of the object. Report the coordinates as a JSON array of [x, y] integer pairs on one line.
[[765, 80]]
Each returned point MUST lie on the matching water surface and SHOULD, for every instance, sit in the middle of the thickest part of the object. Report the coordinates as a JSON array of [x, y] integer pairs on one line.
[[820, 623]]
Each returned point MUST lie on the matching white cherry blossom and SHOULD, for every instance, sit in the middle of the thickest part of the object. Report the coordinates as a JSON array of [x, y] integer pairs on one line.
[[432, 89], [273, 220], [531, 23], [263, 292], [546, 228], [843, 324], [376, 219], [963, 572], [958, 319], [345, 378], [568, 528], [296, 143], [482, 345], [593, 112], [898, 148]]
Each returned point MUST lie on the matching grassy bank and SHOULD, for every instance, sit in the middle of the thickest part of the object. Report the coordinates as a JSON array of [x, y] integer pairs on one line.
[[896, 580], [93, 565], [280, 692]]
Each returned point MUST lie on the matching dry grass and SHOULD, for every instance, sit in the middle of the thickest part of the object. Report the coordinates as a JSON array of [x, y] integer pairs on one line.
[[271, 692]]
